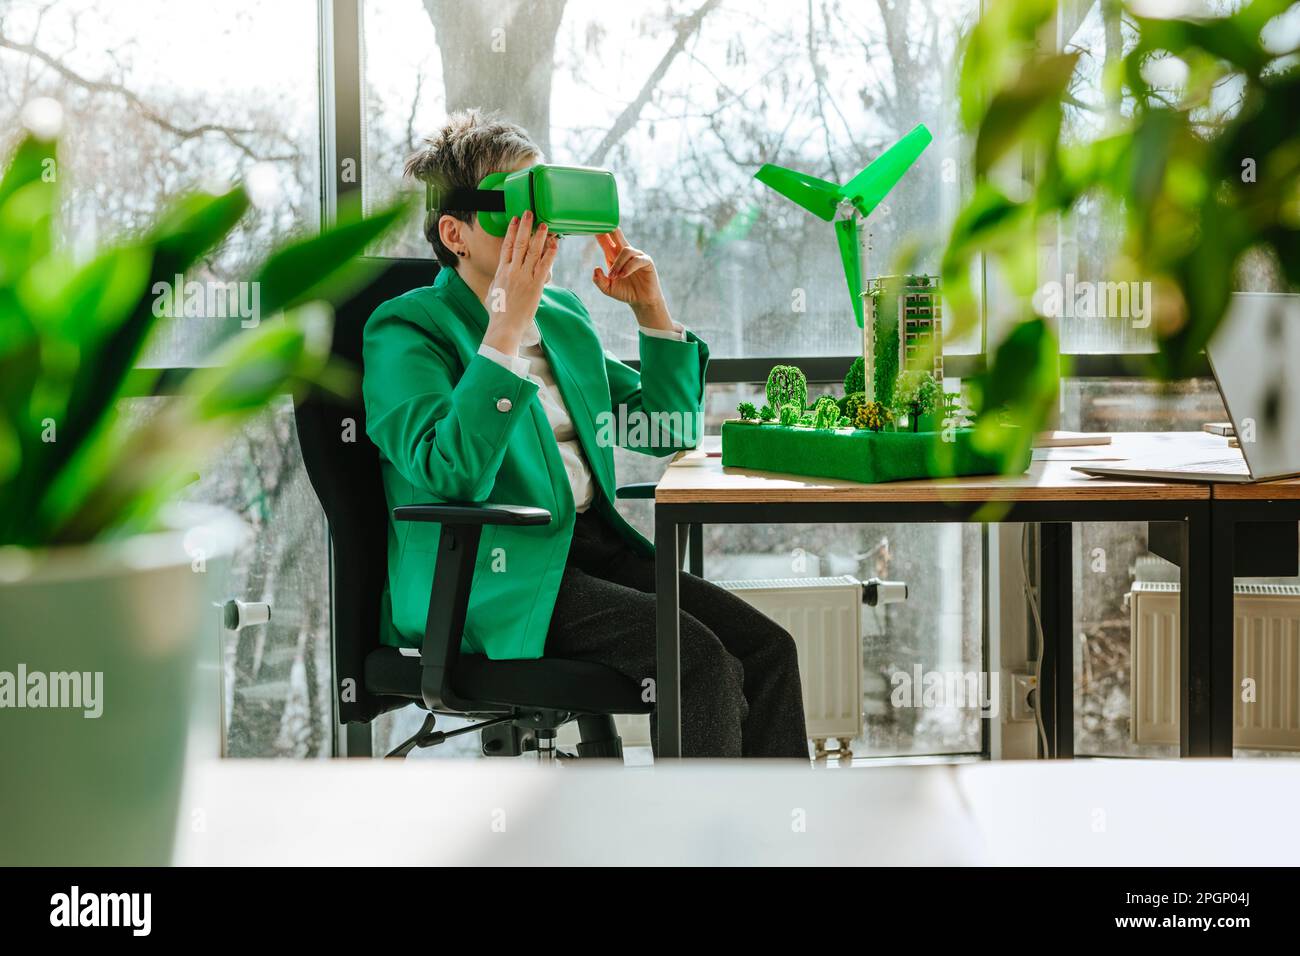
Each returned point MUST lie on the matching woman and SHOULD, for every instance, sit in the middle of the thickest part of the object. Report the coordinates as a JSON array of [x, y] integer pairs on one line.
[[491, 386]]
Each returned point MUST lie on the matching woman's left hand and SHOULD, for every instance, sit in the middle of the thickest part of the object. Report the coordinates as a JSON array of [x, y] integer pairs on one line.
[[629, 274]]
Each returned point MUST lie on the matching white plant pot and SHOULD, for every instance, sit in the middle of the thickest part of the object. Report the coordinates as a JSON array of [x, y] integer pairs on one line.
[[128, 617]]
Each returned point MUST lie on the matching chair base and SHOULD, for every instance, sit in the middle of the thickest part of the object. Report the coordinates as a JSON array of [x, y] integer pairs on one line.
[[533, 729], [427, 736], [598, 737]]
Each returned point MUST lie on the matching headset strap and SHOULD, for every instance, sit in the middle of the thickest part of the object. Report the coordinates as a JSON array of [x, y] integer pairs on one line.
[[465, 200]]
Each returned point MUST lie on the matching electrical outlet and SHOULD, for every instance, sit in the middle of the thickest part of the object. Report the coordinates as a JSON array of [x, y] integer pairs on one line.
[[1024, 696]]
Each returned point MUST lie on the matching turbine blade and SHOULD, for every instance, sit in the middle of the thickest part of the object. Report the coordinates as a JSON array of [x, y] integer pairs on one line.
[[846, 235], [866, 190], [816, 195]]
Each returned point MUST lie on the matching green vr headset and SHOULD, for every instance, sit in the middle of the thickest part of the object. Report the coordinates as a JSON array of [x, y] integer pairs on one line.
[[571, 200]]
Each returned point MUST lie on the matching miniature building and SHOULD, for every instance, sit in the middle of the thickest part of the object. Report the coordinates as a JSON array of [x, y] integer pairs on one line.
[[920, 327], [908, 315]]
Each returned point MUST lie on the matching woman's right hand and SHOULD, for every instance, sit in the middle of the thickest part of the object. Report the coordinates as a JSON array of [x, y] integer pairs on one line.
[[516, 289]]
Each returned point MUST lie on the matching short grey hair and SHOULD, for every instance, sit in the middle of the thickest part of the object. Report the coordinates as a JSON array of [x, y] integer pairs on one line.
[[470, 145]]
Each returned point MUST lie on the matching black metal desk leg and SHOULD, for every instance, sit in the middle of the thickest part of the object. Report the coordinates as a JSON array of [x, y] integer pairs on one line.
[[1206, 649], [668, 676], [695, 550], [1056, 608]]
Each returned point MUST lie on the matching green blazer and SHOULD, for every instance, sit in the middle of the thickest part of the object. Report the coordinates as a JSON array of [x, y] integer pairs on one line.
[[453, 426]]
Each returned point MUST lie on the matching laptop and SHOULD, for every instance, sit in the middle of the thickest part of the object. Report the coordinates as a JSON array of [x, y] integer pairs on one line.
[[1255, 358]]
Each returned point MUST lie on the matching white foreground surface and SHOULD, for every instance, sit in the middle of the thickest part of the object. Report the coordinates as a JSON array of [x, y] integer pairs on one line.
[[477, 813]]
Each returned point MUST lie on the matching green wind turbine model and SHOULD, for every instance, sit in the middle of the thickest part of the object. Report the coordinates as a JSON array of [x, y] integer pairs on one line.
[[848, 206]]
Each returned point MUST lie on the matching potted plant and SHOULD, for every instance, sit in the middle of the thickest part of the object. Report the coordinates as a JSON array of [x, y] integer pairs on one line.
[[106, 584], [1195, 184]]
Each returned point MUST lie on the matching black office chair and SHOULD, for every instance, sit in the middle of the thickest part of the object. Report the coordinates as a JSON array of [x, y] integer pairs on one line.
[[520, 703]]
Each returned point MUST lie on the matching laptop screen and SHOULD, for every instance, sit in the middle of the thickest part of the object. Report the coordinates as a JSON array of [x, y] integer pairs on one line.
[[1255, 355]]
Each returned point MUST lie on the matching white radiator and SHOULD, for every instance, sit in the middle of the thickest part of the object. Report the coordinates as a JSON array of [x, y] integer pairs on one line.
[[824, 616], [1266, 650]]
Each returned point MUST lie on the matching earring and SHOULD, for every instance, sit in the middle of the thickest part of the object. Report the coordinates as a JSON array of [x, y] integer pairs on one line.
[[461, 253]]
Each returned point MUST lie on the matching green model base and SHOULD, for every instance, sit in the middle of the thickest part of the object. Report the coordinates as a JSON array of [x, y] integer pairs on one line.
[[857, 454]]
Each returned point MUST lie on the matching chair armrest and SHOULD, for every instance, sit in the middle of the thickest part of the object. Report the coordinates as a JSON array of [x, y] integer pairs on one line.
[[641, 489], [453, 571], [464, 515]]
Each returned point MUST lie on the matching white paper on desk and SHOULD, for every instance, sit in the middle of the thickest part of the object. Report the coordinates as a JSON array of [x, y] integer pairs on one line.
[[692, 459], [1077, 453]]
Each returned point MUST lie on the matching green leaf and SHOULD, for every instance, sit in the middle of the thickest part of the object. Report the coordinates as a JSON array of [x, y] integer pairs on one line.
[[29, 164], [1027, 108], [994, 51], [29, 200], [326, 266], [84, 304], [66, 386], [193, 226], [117, 482], [1015, 396], [72, 333], [989, 222], [249, 370]]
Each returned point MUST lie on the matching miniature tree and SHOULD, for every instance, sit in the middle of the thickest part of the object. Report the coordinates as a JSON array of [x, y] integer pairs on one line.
[[916, 393], [786, 385], [850, 404], [855, 379], [873, 415], [748, 412], [826, 413], [885, 309], [790, 414], [954, 410], [766, 414]]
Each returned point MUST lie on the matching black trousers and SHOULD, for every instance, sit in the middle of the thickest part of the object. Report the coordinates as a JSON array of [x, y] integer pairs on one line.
[[741, 695]]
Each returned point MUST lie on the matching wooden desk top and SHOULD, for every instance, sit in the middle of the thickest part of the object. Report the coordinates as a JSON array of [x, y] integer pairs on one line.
[[1288, 488], [697, 477]]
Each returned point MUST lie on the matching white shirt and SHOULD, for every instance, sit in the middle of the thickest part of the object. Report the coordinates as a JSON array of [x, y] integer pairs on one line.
[[531, 364]]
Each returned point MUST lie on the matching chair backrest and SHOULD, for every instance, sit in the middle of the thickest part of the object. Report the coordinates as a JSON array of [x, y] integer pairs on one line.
[[343, 467]]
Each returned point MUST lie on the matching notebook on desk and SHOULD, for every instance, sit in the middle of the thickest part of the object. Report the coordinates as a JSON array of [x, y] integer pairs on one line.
[[1249, 357]]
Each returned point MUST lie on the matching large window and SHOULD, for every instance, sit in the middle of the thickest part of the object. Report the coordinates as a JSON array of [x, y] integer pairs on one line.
[[684, 100], [1086, 242], [160, 98]]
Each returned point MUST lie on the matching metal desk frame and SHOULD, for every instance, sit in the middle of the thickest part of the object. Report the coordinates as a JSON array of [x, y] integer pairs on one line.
[[1215, 660], [1205, 698]]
